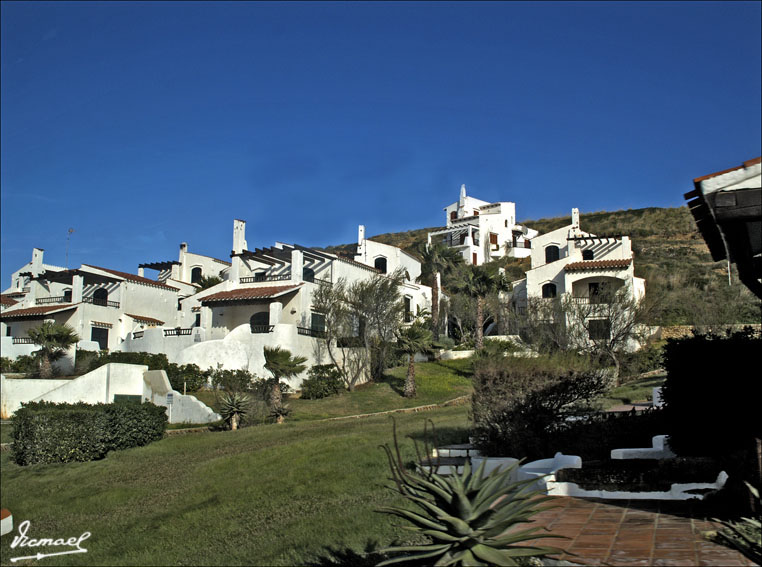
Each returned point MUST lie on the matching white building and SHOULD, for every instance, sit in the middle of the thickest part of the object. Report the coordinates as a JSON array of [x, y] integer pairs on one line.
[[103, 306], [568, 261], [483, 231]]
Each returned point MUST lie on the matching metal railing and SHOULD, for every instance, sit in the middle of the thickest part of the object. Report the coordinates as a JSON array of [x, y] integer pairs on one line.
[[22, 341], [262, 328], [178, 332], [56, 299], [308, 332], [265, 278], [137, 335], [101, 302]]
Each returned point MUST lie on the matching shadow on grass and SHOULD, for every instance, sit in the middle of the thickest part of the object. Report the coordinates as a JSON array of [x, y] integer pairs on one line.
[[370, 556], [396, 384], [454, 369]]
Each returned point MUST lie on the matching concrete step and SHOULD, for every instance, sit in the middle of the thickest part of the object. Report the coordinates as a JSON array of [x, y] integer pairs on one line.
[[456, 450], [444, 465]]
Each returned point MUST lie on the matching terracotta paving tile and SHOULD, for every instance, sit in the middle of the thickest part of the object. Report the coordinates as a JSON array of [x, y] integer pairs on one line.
[[635, 544], [583, 560], [594, 541], [673, 562], [585, 551], [592, 529], [724, 562], [628, 561], [637, 553]]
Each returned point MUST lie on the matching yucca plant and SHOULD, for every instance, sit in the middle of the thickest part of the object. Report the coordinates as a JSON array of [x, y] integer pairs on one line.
[[746, 534], [467, 516], [233, 407]]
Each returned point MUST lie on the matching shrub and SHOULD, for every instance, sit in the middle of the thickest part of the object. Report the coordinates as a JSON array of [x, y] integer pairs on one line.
[[648, 358], [233, 407], [188, 376], [44, 432], [519, 405], [324, 380], [153, 361], [711, 395], [232, 380], [6, 364]]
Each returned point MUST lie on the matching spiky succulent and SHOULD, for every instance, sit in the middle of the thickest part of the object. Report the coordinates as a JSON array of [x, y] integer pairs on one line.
[[746, 534], [466, 515], [234, 406]]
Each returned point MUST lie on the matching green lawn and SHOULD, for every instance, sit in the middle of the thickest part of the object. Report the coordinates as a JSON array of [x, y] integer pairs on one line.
[[267, 495], [436, 382], [636, 391]]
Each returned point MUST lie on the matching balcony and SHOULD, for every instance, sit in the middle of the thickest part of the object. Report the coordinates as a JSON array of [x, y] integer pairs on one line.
[[262, 328], [49, 300], [101, 302], [256, 278], [308, 332], [22, 341], [177, 332]]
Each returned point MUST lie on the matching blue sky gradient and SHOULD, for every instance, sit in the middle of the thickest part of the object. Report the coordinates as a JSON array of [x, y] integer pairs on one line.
[[145, 124]]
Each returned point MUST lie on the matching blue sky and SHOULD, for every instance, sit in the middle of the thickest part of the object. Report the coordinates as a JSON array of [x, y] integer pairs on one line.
[[145, 124]]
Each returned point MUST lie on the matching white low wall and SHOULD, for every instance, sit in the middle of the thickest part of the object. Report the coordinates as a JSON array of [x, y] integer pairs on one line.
[[100, 386], [153, 341]]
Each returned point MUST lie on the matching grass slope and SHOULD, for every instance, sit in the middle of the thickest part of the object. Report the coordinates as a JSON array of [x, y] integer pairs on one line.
[[273, 495]]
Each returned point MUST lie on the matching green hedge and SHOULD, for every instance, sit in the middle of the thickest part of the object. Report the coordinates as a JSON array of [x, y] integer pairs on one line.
[[45, 432], [188, 375]]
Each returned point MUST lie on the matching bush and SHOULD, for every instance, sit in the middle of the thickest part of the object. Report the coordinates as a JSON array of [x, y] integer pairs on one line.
[[519, 405], [324, 380], [648, 358], [711, 395], [44, 432], [232, 380], [6, 364], [189, 376]]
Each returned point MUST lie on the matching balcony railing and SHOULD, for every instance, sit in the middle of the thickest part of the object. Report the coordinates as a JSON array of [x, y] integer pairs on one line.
[[57, 299], [101, 302], [262, 328], [591, 300], [307, 332], [265, 278], [137, 335], [178, 332], [22, 341]]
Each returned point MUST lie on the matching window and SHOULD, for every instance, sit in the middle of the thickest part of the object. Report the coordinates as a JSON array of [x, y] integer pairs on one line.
[[380, 264], [588, 255], [549, 291], [475, 260], [318, 322], [408, 311], [8, 331], [195, 275], [100, 297], [67, 296], [493, 238], [260, 322], [453, 215], [100, 336], [197, 322], [599, 329], [308, 275], [551, 254]]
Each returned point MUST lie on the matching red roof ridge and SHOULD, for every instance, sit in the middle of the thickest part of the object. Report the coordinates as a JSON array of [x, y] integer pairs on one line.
[[599, 264], [744, 165], [263, 292], [133, 277]]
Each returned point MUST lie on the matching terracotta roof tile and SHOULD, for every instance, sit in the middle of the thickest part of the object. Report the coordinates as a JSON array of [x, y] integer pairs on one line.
[[133, 277], [598, 265], [34, 311], [249, 293], [143, 319], [5, 300], [744, 165]]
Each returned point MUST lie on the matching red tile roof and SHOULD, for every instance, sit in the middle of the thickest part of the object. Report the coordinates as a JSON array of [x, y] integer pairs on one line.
[[142, 319], [5, 300], [598, 265], [35, 311], [133, 277], [744, 165], [249, 293]]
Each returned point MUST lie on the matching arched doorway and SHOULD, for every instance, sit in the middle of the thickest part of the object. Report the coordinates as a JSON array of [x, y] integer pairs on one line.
[[260, 322]]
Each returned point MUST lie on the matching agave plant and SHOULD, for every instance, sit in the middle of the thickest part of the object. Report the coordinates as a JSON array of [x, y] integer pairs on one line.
[[233, 407], [746, 534], [468, 516]]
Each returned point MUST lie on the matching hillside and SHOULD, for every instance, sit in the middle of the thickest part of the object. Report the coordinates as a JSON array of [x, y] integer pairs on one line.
[[669, 253]]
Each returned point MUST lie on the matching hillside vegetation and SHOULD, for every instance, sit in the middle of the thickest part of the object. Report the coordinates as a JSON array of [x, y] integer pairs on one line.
[[669, 253]]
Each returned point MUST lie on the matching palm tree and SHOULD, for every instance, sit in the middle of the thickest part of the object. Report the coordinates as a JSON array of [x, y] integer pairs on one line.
[[413, 339], [478, 282], [437, 260], [281, 364], [54, 340]]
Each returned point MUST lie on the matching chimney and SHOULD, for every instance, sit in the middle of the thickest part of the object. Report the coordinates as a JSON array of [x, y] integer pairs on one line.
[[361, 241], [239, 236], [575, 218], [37, 268]]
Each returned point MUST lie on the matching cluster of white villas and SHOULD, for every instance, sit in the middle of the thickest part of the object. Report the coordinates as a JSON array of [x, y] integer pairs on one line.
[[265, 296]]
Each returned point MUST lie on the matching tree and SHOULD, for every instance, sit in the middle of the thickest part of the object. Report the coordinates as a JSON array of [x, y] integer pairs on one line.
[[208, 281], [478, 282], [438, 260], [411, 340], [360, 324], [54, 340], [281, 364]]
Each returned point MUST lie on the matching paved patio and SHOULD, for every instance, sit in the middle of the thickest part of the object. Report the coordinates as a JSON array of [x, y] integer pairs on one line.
[[633, 532]]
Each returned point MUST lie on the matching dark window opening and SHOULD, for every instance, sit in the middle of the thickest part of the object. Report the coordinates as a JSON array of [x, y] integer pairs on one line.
[[408, 311], [453, 215], [197, 322], [8, 331], [260, 322], [549, 291], [308, 275], [100, 296], [599, 329], [318, 322], [551, 254], [588, 255], [195, 275], [380, 264], [100, 336], [67, 296]]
